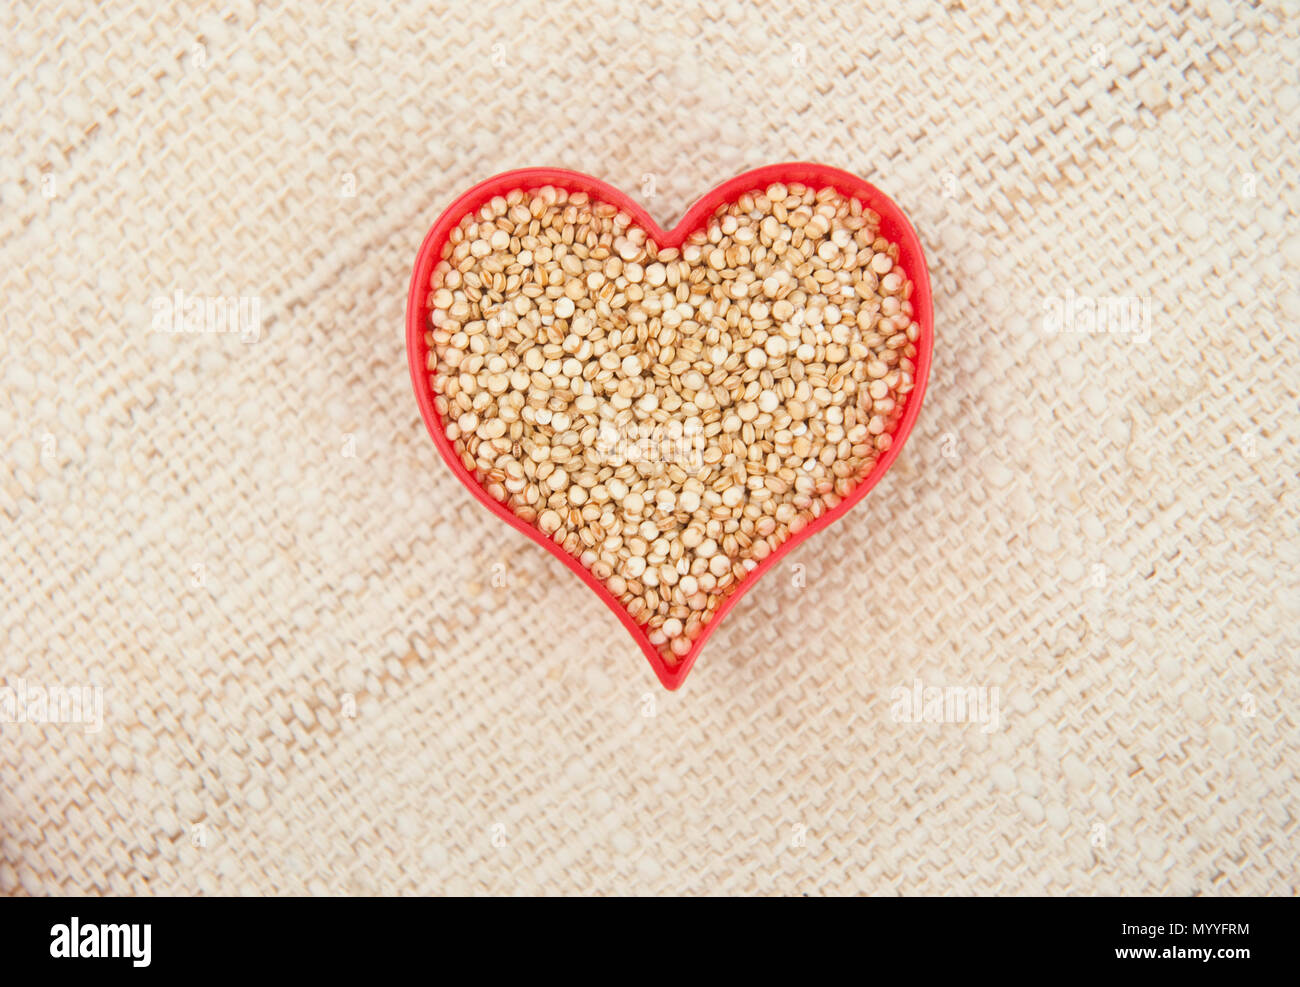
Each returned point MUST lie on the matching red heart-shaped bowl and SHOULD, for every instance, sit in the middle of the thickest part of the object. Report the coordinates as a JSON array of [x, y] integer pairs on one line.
[[894, 226]]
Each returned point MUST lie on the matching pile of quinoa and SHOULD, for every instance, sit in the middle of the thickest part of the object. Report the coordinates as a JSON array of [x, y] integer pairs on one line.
[[670, 416]]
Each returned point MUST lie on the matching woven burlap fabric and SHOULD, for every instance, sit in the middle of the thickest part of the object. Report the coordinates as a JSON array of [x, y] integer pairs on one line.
[[326, 669]]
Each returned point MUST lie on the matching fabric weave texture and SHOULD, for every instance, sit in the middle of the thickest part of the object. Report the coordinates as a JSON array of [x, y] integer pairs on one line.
[[326, 669]]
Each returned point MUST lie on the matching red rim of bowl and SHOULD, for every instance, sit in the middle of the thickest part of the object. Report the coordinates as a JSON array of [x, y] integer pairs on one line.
[[894, 226]]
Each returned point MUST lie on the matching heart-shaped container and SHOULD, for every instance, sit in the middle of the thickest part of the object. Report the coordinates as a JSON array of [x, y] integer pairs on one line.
[[894, 226]]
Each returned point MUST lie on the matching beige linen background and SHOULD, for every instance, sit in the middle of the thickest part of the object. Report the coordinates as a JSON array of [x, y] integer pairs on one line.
[[325, 668]]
